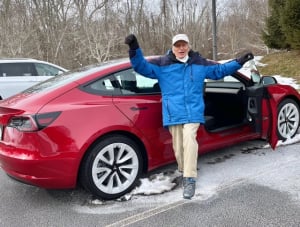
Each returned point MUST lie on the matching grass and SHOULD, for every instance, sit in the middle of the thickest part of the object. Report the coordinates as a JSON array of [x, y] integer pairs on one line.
[[284, 63]]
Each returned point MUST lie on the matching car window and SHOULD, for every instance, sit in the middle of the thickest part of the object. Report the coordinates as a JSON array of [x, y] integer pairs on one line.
[[133, 83], [46, 70], [105, 84], [126, 82], [17, 69]]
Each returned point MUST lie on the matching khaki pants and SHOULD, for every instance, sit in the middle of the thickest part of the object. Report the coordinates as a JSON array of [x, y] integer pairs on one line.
[[185, 147]]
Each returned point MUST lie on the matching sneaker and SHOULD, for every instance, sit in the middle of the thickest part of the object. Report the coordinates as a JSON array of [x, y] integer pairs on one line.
[[189, 185]]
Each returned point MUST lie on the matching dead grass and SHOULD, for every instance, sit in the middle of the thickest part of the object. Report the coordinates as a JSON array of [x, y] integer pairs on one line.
[[284, 63]]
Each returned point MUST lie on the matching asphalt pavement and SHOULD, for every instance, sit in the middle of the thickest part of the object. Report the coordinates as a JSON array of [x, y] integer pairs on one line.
[[244, 185]]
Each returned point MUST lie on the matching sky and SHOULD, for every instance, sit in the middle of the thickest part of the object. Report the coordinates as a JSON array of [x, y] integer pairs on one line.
[[163, 187]]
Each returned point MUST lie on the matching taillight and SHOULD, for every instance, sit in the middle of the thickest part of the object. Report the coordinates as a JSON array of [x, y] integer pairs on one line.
[[23, 123], [30, 123], [45, 119]]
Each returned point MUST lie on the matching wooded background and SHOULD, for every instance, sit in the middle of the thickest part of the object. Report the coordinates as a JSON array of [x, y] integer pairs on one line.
[[73, 33]]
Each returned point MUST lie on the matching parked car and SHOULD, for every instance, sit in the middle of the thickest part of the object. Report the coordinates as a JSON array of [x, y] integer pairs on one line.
[[101, 126], [17, 74]]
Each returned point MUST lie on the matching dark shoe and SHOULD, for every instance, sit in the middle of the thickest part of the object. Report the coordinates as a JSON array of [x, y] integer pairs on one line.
[[189, 186]]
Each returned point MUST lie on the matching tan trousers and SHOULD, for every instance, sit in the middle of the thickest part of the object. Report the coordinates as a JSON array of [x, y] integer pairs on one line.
[[185, 147]]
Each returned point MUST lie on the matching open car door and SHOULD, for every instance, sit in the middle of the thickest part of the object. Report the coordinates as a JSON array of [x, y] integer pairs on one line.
[[262, 113], [262, 107]]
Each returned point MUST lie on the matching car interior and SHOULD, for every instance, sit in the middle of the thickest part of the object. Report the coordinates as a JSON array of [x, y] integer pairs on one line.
[[225, 101], [225, 107]]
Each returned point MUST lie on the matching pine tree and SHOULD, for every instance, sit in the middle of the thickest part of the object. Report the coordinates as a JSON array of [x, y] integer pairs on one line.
[[274, 37], [290, 23]]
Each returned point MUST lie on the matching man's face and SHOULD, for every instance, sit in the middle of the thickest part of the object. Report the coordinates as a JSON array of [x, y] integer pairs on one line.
[[180, 49]]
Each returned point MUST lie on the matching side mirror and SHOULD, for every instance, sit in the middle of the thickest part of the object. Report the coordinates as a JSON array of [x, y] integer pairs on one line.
[[266, 80]]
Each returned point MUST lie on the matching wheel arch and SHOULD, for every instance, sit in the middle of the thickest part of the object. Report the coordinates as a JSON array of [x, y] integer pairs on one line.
[[293, 97]]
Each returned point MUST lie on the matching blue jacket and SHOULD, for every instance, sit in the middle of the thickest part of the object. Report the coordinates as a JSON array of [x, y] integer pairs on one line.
[[181, 84]]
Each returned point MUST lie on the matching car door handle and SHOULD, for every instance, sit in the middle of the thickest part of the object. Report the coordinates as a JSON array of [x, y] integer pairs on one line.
[[134, 108]]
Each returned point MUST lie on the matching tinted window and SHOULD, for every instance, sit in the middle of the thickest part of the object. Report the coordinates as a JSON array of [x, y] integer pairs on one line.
[[104, 86], [17, 69], [133, 83], [126, 82]]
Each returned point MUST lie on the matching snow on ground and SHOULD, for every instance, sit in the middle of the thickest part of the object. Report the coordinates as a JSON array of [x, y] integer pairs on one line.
[[250, 162], [160, 183], [286, 80], [211, 178]]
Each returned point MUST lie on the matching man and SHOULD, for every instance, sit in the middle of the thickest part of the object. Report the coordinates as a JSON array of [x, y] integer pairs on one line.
[[181, 74]]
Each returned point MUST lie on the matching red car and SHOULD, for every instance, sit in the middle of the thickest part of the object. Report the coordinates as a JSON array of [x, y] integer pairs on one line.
[[101, 126]]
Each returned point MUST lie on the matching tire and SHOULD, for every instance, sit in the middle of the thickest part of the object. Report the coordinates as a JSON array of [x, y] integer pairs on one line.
[[288, 116], [111, 168]]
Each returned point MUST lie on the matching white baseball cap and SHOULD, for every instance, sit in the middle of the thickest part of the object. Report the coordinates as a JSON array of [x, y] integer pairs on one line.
[[180, 37]]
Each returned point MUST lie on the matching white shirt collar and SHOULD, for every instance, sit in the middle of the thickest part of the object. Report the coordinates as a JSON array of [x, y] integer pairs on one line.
[[184, 60]]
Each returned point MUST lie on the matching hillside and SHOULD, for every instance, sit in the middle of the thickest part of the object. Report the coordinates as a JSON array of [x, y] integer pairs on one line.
[[284, 63]]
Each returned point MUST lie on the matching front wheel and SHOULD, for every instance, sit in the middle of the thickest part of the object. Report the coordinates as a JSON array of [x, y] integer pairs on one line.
[[287, 119], [112, 167]]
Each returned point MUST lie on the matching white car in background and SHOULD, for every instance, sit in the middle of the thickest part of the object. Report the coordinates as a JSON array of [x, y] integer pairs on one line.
[[18, 74]]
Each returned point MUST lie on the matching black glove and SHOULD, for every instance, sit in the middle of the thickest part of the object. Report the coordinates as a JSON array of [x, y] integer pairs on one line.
[[244, 58], [132, 42]]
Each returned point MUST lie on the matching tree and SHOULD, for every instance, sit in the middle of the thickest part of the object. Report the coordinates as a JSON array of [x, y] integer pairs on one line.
[[240, 24], [74, 33], [289, 21], [274, 36]]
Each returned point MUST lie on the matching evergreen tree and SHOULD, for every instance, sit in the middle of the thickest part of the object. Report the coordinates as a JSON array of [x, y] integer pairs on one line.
[[274, 37], [290, 23]]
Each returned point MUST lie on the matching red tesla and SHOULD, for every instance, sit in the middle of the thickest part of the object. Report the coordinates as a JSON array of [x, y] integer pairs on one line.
[[101, 126]]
